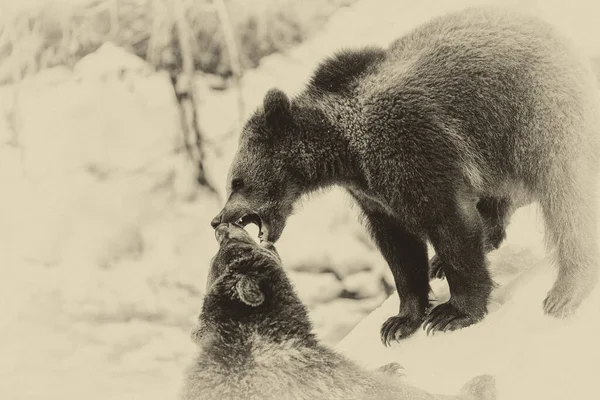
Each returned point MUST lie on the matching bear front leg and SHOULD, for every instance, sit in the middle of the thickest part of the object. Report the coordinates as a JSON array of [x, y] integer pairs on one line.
[[459, 240], [406, 255], [495, 212]]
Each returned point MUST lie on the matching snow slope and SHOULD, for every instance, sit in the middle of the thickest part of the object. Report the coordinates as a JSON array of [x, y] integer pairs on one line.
[[531, 355], [69, 331]]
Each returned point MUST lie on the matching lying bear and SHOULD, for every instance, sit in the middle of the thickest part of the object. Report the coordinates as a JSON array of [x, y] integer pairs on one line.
[[256, 341], [440, 138]]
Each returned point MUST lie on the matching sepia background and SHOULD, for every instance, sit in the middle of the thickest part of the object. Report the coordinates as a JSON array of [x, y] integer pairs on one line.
[[118, 120]]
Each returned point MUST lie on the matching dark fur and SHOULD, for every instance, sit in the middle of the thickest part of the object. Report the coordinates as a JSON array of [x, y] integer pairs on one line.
[[462, 121], [256, 340], [340, 72]]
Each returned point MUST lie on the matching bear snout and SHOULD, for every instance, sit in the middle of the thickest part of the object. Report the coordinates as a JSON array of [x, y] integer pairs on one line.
[[217, 220], [235, 208]]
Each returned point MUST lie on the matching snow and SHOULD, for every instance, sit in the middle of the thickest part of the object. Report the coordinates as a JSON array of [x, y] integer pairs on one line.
[[531, 355], [105, 239]]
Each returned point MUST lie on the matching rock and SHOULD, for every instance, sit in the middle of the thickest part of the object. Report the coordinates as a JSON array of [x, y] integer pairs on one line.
[[216, 82], [326, 253], [305, 255], [322, 237], [99, 173], [352, 256], [54, 75], [125, 244], [334, 320], [138, 126], [363, 284], [316, 288], [110, 61]]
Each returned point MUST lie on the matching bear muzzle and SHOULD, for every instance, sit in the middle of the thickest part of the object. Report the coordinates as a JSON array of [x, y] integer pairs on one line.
[[232, 231], [216, 220], [240, 218]]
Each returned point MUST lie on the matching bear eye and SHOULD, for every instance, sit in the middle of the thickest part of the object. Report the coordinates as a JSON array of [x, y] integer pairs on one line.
[[237, 184]]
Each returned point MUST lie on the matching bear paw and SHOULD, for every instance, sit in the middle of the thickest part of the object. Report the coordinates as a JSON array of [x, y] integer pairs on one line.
[[447, 317], [566, 295], [397, 328], [560, 304], [392, 369]]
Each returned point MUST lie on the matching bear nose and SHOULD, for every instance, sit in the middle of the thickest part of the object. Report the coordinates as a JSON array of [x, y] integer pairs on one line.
[[216, 221]]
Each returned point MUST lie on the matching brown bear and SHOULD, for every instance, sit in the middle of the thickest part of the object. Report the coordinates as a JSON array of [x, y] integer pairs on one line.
[[256, 342], [439, 138]]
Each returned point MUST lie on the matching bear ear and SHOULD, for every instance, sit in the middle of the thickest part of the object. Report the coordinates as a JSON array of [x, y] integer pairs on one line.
[[249, 292], [277, 108]]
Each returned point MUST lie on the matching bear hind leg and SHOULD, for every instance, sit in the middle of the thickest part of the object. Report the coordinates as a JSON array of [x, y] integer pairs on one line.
[[495, 212], [570, 215]]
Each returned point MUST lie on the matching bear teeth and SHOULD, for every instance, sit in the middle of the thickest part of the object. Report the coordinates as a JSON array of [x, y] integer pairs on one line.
[[252, 219]]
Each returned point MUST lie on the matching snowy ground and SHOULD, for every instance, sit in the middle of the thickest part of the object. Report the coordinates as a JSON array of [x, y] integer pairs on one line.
[[105, 240], [531, 355]]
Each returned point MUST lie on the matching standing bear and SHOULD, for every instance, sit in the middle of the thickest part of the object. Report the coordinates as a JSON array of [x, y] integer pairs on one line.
[[439, 138]]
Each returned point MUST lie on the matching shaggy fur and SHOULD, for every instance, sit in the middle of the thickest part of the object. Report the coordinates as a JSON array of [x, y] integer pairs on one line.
[[256, 340], [440, 138]]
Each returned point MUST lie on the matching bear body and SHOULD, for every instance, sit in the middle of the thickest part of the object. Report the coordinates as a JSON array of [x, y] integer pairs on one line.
[[439, 138], [256, 341]]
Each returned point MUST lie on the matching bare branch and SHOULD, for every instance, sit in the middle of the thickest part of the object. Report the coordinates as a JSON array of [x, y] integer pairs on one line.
[[15, 117], [185, 37], [185, 91], [113, 9], [233, 53], [153, 53]]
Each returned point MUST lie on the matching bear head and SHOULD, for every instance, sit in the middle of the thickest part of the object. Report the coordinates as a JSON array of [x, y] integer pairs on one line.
[[248, 291], [263, 182]]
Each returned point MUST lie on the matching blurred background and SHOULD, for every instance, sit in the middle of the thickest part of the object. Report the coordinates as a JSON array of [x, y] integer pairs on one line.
[[118, 121]]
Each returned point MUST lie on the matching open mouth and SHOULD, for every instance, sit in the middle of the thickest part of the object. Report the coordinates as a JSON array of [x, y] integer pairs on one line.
[[252, 219]]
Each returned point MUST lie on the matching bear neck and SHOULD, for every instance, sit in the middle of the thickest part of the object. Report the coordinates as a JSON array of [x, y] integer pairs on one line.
[[323, 144], [236, 331]]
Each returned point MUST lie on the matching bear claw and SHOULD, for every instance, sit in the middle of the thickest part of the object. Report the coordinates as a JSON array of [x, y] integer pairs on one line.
[[565, 297], [398, 327], [558, 306], [446, 317], [393, 368]]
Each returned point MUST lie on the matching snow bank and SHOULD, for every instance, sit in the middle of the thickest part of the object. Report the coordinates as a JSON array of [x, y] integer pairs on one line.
[[106, 240], [531, 355]]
